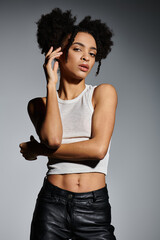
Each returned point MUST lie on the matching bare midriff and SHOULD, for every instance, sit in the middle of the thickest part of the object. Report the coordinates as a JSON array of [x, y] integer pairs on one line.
[[78, 182]]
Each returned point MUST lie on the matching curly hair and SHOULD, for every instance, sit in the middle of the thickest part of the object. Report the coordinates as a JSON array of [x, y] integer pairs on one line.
[[54, 27]]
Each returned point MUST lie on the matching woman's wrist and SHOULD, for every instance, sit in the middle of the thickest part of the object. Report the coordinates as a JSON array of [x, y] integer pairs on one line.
[[51, 85]]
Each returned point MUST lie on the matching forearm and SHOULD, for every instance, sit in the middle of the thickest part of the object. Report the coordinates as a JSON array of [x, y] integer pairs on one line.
[[51, 130], [77, 151]]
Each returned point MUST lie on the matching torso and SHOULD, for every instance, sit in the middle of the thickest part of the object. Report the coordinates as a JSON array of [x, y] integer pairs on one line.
[[78, 182]]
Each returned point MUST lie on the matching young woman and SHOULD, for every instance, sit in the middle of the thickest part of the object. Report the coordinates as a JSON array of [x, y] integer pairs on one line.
[[74, 124]]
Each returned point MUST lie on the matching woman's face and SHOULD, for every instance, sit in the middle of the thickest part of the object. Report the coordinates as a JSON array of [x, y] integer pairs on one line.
[[81, 57]]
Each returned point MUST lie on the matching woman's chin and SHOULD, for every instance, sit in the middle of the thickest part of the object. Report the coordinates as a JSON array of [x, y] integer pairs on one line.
[[80, 75]]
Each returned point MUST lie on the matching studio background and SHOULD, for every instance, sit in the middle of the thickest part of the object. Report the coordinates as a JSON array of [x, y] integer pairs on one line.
[[132, 67]]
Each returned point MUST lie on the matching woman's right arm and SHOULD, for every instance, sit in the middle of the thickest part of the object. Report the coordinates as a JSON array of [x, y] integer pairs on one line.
[[46, 116]]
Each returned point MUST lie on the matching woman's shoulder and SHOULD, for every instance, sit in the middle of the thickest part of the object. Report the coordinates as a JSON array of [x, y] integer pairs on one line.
[[104, 87], [104, 90], [36, 105]]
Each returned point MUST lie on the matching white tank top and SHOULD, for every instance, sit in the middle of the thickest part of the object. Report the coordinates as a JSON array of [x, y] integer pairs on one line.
[[76, 116]]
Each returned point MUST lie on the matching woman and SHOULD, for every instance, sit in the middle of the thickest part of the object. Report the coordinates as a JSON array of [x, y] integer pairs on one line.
[[74, 124]]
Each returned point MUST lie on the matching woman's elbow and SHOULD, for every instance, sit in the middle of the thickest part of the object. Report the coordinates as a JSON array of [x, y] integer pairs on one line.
[[54, 144], [51, 143], [101, 153]]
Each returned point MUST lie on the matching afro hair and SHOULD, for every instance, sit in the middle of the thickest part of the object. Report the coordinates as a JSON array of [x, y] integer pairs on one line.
[[54, 27]]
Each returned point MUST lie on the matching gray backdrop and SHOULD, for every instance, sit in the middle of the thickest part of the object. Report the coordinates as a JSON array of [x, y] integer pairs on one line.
[[132, 67]]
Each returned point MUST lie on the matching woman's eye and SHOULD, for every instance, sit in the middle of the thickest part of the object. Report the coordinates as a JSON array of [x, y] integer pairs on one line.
[[76, 49], [92, 54]]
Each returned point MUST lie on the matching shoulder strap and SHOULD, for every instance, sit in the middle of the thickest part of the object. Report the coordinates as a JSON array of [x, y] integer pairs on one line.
[[89, 96]]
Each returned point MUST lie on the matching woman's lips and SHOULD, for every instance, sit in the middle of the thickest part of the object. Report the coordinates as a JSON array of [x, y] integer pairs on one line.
[[84, 67]]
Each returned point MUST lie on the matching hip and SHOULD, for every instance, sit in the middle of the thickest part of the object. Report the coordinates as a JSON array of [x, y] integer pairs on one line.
[[62, 214]]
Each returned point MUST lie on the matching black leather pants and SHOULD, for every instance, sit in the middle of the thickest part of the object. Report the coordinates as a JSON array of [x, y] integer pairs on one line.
[[61, 214]]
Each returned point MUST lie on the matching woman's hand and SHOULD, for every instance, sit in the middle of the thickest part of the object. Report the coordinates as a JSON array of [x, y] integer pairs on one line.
[[29, 149], [51, 72]]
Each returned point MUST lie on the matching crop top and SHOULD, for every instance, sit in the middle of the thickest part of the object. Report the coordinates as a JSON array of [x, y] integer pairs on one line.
[[76, 116]]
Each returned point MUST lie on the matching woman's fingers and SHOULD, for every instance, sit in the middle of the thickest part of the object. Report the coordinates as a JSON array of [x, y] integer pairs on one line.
[[23, 149], [53, 56], [55, 67], [21, 145], [55, 53], [49, 69], [32, 139], [26, 152], [51, 52], [28, 157]]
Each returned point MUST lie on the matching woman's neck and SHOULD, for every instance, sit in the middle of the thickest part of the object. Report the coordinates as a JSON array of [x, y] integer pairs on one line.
[[70, 90]]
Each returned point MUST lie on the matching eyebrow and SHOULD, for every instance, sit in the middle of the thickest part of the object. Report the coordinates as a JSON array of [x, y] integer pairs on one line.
[[81, 44]]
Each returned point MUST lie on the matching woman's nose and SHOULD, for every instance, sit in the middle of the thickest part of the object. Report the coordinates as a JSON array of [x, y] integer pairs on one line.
[[85, 57]]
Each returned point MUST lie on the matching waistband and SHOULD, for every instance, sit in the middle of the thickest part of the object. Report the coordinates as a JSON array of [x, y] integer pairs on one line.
[[70, 194]]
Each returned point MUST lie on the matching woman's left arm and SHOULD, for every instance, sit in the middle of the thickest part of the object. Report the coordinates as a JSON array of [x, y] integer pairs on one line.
[[103, 120]]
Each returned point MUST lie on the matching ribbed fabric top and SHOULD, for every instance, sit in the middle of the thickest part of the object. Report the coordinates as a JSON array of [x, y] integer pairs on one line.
[[76, 116]]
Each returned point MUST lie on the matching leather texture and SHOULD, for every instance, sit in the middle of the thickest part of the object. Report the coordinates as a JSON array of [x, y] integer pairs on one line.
[[61, 214]]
